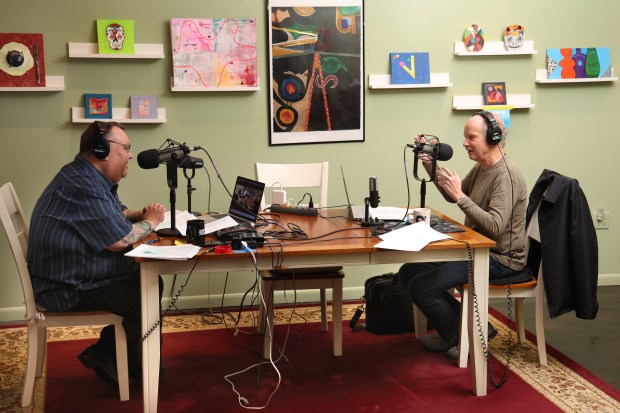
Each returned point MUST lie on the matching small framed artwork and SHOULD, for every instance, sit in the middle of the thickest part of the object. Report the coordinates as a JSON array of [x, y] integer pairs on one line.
[[144, 107], [115, 36], [494, 93], [22, 62], [97, 106], [410, 68]]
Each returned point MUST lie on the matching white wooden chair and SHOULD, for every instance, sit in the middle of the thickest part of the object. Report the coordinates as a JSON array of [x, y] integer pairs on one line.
[[531, 289], [16, 230], [309, 175]]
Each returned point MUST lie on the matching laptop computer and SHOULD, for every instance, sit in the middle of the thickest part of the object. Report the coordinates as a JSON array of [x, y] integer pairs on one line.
[[356, 212], [244, 207]]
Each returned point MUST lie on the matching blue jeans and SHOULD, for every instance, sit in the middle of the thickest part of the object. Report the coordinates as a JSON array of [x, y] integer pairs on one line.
[[428, 284]]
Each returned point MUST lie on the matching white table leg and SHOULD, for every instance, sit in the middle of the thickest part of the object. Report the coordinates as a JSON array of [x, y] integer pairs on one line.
[[478, 318], [149, 287]]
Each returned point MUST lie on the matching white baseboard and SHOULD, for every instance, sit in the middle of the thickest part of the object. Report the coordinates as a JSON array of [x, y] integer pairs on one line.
[[608, 279]]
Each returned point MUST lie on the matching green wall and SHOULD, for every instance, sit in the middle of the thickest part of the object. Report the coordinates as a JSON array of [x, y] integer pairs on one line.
[[569, 130]]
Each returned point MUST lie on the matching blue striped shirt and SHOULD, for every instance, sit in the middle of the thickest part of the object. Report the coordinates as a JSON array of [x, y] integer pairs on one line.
[[77, 216]]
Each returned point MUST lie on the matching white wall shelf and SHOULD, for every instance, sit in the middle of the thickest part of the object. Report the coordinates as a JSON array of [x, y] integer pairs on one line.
[[122, 115], [91, 51], [495, 49], [475, 102], [541, 77], [212, 89], [385, 82], [52, 84]]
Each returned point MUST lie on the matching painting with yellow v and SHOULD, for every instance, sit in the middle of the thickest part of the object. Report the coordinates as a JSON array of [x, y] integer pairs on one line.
[[410, 68]]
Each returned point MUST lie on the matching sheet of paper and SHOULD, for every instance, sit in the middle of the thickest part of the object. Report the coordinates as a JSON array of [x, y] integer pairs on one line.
[[181, 219], [172, 252], [391, 213], [221, 223], [412, 237]]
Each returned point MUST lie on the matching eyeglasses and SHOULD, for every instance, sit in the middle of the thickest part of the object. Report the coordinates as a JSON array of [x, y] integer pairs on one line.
[[127, 146]]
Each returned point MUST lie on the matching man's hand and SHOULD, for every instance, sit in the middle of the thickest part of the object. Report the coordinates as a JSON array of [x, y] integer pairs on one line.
[[154, 213], [147, 219], [450, 182]]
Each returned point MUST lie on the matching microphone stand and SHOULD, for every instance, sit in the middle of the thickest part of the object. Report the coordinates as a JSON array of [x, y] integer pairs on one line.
[[187, 162], [432, 175], [171, 170], [367, 222]]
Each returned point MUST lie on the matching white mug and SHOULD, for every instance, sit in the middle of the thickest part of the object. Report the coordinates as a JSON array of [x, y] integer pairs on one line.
[[422, 214]]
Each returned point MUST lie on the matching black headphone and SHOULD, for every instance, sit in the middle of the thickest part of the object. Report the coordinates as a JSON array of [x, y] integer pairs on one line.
[[101, 147], [494, 132]]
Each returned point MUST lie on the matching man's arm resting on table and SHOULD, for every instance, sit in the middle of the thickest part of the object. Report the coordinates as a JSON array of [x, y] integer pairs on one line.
[[138, 232]]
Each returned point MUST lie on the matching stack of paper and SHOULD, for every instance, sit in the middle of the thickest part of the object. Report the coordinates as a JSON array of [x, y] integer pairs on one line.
[[181, 218], [173, 252], [412, 237]]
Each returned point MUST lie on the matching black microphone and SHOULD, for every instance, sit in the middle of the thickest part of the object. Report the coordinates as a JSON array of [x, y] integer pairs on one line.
[[190, 162], [151, 158], [374, 192], [444, 151]]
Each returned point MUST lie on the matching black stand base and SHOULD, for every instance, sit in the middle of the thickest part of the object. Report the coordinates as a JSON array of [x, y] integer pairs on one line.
[[169, 232], [371, 223]]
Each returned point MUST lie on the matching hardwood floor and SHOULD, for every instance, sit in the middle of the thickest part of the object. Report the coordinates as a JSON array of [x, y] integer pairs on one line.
[[594, 344]]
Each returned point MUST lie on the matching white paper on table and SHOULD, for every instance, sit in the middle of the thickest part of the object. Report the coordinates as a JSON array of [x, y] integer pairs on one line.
[[412, 237], [225, 222], [389, 213], [171, 252], [180, 223]]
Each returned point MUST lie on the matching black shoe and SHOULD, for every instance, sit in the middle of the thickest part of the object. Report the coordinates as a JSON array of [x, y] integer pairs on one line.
[[103, 365]]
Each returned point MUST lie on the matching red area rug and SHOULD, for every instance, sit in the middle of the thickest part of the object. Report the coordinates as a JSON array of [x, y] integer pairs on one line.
[[375, 374]]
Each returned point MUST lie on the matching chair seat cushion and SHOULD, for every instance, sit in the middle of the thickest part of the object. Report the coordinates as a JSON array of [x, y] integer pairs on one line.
[[523, 277]]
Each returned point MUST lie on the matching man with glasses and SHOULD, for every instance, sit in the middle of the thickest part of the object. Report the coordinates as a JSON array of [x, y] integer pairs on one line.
[[79, 234]]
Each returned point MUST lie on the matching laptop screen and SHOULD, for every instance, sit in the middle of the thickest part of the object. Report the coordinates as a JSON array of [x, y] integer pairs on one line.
[[246, 197]]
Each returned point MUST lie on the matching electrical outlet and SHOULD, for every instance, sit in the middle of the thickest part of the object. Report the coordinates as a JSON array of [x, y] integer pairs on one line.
[[601, 218]]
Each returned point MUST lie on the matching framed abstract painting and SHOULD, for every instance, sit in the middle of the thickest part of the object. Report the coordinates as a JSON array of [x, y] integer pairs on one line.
[[316, 68], [494, 93], [97, 106]]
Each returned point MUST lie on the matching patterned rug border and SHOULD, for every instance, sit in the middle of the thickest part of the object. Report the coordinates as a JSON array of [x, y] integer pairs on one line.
[[563, 386]]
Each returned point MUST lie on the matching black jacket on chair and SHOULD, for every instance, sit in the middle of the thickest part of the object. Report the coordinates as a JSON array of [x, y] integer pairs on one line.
[[568, 246]]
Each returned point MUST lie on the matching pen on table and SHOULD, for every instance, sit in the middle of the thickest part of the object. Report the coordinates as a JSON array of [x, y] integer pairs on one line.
[[152, 241]]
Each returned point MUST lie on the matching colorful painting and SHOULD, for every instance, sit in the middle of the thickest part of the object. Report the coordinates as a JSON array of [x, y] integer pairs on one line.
[[97, 106], [514, 37], [22, 62], [410, 68], [115, 37], [473, 37], [579, 62], [144, 107], [494, 93], [214, 52], [316, 67]]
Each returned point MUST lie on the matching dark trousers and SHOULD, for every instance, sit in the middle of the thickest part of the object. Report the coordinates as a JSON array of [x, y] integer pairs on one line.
[[121, 298], [429, 285]]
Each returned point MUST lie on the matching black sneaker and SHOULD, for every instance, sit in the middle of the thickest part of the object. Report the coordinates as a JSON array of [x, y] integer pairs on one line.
[[102, 364]]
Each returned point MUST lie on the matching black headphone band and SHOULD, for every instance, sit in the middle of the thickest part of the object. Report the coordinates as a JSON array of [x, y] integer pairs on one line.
[[101, 146], [494, 132]]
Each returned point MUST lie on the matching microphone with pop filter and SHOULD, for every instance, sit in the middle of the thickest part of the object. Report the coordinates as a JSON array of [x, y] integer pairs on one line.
[[438, 152], [442, 151]]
